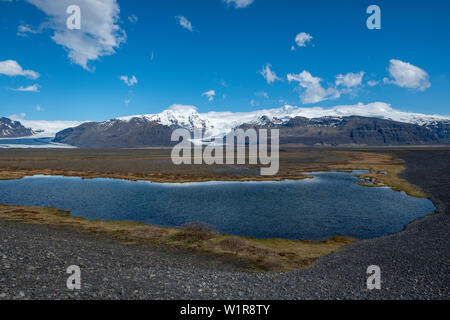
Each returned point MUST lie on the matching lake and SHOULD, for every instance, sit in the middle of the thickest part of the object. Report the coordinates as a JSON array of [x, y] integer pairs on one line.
[[332, 203]]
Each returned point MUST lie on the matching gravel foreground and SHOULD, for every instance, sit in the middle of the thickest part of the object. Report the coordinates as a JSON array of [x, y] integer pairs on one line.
[[415, 263]]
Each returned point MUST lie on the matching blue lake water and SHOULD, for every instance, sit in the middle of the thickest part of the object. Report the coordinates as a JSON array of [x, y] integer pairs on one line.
[[330, 204]]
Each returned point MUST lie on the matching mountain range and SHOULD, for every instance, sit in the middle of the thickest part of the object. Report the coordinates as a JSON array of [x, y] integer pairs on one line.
[[375, 124]]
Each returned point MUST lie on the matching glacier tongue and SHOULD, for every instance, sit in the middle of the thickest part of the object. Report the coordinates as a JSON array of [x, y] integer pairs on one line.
[[46, 128]]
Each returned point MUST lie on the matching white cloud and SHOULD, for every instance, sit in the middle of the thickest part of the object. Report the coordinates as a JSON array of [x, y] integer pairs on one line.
[[269, 75], [406, 75], [184, 22], [100, 35], [32, 88], [182, 108], [129, 81], [373, 83], [314, 91], [38, 108], [12, 68], [238, 4], [254, 103], [350, 80], [262, 94], [133, 18], [302, 39], [210, 94], [24, 29]]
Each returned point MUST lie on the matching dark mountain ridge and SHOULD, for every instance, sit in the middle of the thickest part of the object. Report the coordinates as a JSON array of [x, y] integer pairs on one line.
[[136, 133], [13, 129], [355, 130], [325, 131]]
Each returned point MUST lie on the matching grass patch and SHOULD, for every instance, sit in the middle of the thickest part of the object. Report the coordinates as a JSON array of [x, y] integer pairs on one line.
[[260, 254], [194, 232], [155, 165], [384, 171]]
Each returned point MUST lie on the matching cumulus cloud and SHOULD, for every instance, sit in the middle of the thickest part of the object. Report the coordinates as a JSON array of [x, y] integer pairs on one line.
[[210, 94], [302, 39], [129, 81], [239, 4], [269, 75], [12, 68], [100, 35], [372, 83], [350, 80], [185, 23], [314, 91], [32, 88], [406, 75]]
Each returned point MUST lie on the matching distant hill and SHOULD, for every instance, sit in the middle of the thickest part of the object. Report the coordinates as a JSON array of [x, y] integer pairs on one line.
[[353, 130], [135, 133], [13, 129]]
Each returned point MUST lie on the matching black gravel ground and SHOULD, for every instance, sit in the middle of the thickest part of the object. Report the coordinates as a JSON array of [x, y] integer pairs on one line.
[[415, 263]]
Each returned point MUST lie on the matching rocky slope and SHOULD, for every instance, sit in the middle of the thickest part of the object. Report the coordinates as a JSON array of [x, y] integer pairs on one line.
[[135, 133], [353, 130], [138, 132], [13, 129]]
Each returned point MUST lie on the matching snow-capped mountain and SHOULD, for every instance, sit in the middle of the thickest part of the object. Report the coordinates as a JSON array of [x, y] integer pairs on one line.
[[219, 123], [13, 129], [177, 116], [371, 124]]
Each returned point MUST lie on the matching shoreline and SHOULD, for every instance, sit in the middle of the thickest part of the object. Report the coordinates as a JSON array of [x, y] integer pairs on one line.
[[375, 163], [261, 254], [419, 252], [275, 254]]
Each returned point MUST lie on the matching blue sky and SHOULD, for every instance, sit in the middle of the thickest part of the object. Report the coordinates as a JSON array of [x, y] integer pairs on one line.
[[222, 49]]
